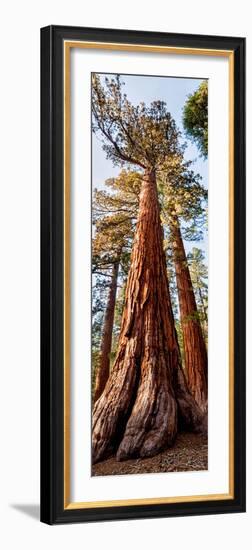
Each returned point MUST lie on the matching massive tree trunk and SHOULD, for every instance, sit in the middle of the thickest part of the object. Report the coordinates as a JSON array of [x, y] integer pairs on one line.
[[106, 340], [194, 343], [146, 397]]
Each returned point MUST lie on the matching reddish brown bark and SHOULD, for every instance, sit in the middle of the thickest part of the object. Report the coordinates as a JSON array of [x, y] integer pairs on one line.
[[194, 343], [146, 395], [106, 340]]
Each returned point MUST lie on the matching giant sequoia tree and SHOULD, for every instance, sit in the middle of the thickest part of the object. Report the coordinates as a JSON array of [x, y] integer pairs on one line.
[[146, 397], [183, 199]]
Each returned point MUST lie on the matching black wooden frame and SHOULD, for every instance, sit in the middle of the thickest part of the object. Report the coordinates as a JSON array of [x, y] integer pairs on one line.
[[52, 405]]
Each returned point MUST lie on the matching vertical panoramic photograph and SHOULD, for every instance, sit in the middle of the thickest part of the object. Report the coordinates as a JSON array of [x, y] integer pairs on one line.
[[149, 378]]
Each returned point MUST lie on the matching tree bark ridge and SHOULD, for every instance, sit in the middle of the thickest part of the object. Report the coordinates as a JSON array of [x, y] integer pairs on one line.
[[194, 343]]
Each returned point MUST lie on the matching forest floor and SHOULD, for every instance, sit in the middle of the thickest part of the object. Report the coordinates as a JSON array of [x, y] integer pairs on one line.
[[187, 454]]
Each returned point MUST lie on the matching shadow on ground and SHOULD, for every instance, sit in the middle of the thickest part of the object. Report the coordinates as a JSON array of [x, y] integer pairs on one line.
[[31, 510]]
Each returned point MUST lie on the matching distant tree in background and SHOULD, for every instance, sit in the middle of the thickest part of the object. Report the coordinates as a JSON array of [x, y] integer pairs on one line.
[[195, 118], [199, 277]]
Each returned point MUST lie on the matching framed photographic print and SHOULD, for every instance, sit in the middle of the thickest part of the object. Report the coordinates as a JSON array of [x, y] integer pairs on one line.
[[142, 274]]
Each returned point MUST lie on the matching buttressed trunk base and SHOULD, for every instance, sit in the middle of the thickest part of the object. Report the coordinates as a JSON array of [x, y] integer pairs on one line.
[[146, 394]]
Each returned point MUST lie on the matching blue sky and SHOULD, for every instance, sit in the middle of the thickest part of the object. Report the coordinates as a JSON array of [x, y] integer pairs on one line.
[[174, 91]]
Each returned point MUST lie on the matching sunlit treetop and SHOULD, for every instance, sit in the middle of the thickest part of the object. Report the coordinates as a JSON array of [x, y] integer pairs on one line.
[[120, 196], [139, 135], [114, 217]]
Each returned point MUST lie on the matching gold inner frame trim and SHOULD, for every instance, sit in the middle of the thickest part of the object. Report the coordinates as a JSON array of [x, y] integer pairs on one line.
[[68, 45]]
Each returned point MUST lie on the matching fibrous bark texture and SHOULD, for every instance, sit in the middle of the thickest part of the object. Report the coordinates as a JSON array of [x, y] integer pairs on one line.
[[146, 395], [194, 343], [106, 341]]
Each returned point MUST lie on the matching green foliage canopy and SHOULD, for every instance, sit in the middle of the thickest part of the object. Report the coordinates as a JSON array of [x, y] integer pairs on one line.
[[182, 196], [139, 135], [195, 118]]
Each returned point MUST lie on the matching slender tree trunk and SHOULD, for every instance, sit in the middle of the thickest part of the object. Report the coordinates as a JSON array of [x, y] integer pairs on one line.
[[106, 340], [194, 343], [146, 396], [205, 318]]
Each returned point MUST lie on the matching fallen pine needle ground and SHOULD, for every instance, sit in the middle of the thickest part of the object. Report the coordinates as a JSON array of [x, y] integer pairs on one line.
[[189, 453]]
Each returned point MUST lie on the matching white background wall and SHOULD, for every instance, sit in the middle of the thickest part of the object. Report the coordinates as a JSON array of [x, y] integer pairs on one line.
[[19, 272]]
